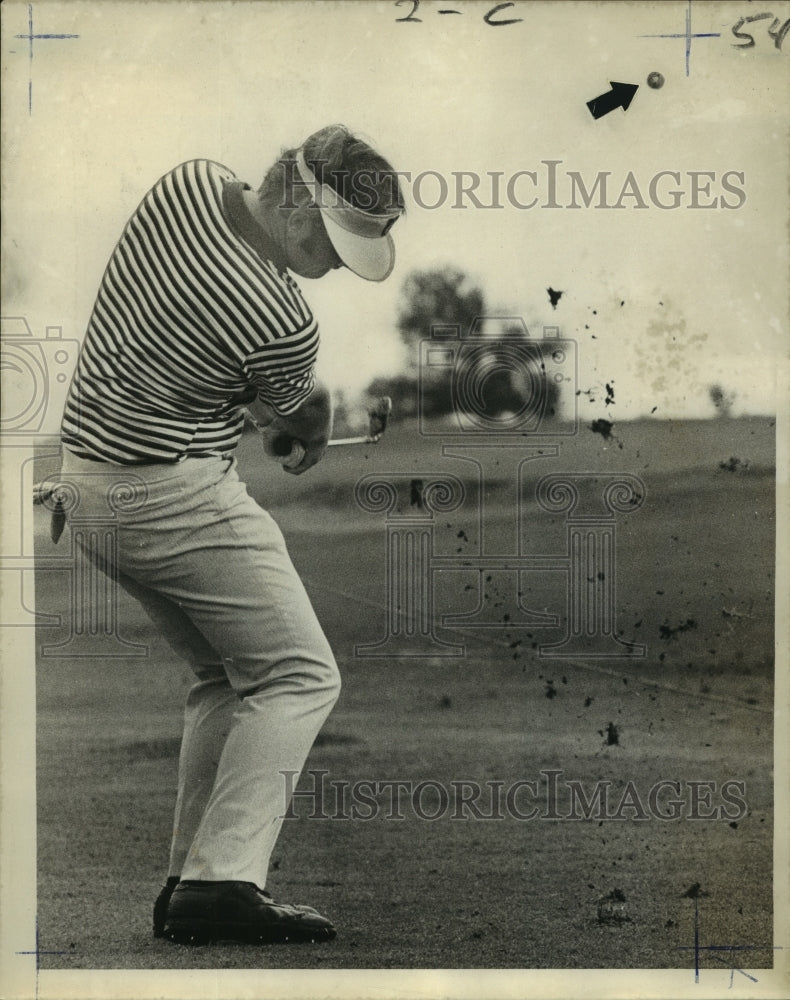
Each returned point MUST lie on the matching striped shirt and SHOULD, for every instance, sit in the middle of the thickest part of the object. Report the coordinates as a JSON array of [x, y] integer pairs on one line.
[[191, 321]]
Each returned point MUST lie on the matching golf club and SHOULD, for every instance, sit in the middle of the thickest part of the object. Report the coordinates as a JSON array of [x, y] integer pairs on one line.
[[377, 424], [293, 452]]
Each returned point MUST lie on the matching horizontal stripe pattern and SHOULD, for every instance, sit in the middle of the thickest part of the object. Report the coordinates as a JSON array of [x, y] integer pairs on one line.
[[189, 324]]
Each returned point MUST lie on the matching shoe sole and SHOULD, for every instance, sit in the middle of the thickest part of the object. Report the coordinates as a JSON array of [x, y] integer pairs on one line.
[[203, 932]]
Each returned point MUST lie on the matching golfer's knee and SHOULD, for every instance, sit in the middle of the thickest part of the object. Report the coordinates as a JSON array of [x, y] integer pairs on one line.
[[315, 674], [321, 677], [329, 679]]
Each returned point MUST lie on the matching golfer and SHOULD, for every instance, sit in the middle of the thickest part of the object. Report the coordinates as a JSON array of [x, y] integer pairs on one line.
[[197, 317]]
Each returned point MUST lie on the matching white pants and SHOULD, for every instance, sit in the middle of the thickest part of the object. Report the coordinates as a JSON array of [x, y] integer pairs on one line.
[[211, 569]]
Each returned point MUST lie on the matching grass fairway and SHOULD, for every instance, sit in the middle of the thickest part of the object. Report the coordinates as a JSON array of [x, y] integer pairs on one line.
[[413, 881]]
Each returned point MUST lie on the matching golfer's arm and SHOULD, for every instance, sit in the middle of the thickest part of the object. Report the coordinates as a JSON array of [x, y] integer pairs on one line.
[[311, 423]]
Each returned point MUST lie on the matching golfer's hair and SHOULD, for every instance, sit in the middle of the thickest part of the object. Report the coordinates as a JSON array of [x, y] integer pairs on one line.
[[354, 170]]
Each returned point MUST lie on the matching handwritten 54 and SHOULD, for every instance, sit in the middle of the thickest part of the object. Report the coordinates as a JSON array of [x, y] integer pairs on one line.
[[778, 35]]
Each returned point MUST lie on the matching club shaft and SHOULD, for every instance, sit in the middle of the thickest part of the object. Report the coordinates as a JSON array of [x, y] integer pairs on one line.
[[355, 440], [362, 439]]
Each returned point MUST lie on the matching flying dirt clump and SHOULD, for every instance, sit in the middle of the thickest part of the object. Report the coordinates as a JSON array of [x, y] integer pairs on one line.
[[694, 891], [734, 464], [612, 735], [612, 908], [668, 633], [604, 428]]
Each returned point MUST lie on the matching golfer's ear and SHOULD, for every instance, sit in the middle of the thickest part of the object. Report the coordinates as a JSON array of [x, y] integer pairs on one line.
[[301, 219]]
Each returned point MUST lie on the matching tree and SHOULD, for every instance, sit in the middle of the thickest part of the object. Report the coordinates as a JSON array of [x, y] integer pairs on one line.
[[461, 360], [440, 297], [722, 399], [429, 299]]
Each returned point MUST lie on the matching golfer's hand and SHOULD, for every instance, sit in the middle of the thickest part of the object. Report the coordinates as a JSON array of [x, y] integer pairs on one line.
[[299, 440], [294, 455]]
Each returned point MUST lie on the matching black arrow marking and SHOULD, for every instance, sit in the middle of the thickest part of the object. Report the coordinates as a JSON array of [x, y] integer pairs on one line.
[[620, 96]]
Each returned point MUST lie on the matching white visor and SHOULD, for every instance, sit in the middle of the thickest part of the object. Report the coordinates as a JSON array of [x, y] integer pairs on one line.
[[361, 239]]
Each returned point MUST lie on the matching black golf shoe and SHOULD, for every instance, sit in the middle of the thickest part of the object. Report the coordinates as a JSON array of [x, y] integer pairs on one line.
[[161, 904], [206, 912]]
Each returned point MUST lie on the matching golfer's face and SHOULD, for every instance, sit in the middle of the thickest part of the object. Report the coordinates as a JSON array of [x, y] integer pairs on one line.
[[310, 251]]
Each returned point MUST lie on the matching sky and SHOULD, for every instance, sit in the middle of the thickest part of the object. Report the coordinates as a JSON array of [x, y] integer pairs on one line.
[[661, 303]]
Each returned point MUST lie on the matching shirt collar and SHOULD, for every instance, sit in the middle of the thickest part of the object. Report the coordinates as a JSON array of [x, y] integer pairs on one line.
[[245, 226]]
